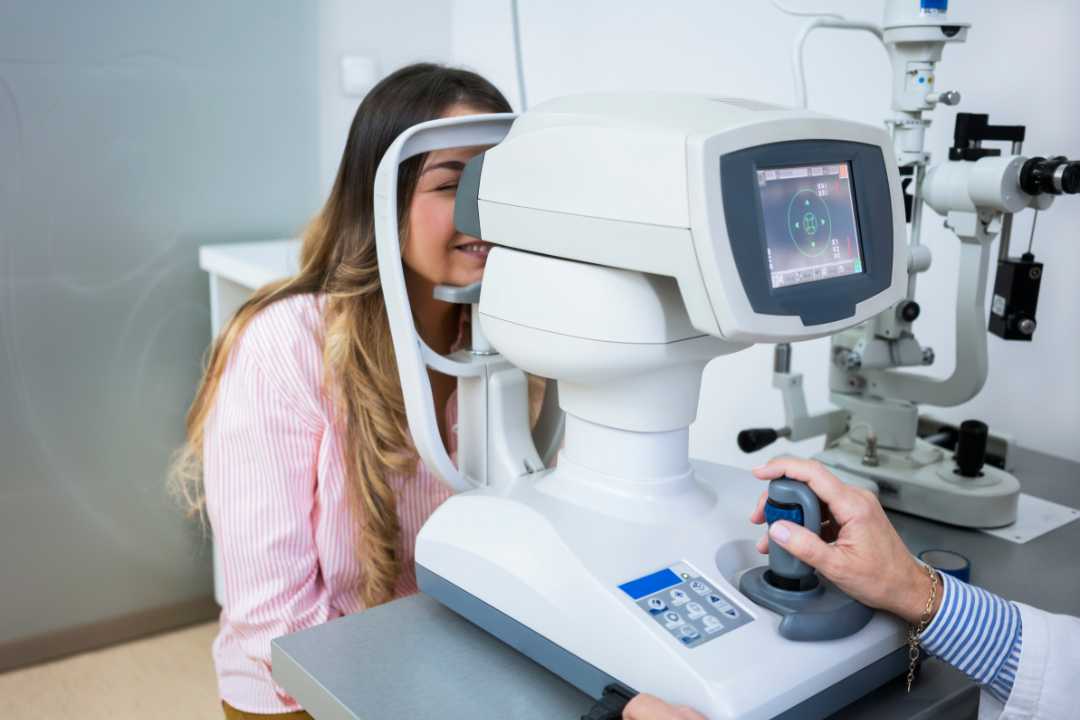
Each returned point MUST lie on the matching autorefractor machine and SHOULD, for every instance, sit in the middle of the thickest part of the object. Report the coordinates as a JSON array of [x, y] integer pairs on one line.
[[638, 238]]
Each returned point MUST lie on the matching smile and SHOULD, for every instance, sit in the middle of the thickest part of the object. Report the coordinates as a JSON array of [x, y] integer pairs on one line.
[[476, 249]]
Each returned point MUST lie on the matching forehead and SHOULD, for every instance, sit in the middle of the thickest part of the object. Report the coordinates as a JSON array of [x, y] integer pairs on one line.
[[464, 154], [456, 154]]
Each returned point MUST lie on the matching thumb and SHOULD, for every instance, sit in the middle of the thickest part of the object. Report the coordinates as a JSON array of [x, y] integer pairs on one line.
[[801, 543]]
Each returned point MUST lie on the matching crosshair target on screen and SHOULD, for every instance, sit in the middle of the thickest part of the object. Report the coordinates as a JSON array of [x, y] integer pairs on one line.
[[809, 223], [808, 218]]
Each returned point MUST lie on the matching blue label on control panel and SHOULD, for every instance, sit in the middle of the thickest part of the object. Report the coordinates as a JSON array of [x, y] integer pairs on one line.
[[692, 610], [649, 584]]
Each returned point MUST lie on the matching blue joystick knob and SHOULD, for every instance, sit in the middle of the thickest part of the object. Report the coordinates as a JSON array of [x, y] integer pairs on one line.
[[795, 502], [775, 511]]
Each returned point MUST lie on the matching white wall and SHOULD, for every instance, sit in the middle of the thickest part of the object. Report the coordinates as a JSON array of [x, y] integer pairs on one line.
[[1013, 66], [392, 34], [130, 134]]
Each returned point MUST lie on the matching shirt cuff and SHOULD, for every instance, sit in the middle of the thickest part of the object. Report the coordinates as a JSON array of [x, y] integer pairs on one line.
[[978, 633]]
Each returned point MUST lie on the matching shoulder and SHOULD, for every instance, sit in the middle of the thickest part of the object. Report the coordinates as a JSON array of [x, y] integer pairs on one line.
[[285, 329], [283, 345]]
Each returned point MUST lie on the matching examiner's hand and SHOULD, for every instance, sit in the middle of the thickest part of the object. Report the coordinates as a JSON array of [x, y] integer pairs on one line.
[[866, 558], [648, 707]]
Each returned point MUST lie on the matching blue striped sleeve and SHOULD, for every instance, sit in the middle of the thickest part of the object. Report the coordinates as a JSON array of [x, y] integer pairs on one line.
[[978, 633]]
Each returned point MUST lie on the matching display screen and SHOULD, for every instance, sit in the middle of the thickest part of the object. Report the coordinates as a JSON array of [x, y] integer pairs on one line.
[[649, 584], [809, 217]]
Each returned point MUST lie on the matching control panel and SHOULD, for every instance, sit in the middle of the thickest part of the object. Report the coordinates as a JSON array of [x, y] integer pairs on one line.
[[685, 604]]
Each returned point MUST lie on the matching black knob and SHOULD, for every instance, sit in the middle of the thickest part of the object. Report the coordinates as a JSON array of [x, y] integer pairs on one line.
[[909, 311], [756, 438], [971, 448]]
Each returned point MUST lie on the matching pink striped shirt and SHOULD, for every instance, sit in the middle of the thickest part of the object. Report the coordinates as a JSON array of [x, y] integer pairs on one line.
[[275, 494]]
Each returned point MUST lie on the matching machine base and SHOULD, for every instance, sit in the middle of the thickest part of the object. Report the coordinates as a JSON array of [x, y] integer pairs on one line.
[[603, 578], [922, 482], [823, 613], [592, 680]]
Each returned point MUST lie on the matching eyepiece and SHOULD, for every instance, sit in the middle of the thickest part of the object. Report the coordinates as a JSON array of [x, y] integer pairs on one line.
[[1067, 178], [1053, 176]]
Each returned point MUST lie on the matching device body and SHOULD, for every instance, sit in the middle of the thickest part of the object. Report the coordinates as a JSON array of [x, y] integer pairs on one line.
[[676, 186], [639, 238]]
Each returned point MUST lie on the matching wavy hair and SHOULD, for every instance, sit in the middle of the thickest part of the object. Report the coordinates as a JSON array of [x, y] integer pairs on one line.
[[338, 260]]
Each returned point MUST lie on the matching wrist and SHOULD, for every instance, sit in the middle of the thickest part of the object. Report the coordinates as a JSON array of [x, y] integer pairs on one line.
[[918, 586], [938, 595]]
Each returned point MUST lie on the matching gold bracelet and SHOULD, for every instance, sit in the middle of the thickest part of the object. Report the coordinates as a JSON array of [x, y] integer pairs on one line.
[[915, 632]]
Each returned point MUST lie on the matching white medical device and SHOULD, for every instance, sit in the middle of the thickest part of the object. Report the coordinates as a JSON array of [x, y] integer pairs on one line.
[[871, 439], [639, 237]]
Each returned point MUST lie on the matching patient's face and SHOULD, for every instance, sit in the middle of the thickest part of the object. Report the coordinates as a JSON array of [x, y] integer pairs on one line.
[[434, 249]]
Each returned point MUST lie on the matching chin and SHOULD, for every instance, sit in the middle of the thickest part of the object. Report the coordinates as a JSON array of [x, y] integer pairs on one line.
[[465, 275]]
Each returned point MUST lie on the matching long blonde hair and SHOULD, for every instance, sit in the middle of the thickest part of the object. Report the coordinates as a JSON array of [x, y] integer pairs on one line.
[[338, 260]]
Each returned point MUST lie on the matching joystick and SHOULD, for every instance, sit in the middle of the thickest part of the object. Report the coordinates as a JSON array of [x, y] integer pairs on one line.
[[811, 606]]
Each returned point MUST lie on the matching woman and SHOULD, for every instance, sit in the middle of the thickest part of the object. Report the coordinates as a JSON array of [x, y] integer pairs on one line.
[[297, 443], [1026, 660]]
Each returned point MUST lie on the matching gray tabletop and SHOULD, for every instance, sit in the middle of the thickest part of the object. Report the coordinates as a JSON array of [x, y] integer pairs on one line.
[[415, 659]]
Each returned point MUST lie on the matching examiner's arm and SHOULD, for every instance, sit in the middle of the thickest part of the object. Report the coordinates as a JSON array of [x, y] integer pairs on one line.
[[978, 633], [1026, 660]]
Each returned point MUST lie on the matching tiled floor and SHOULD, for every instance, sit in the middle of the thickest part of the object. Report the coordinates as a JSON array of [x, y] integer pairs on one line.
[[158, 678]]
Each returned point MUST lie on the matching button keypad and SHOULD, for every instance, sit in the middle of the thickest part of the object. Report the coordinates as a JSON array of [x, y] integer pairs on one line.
[[693, 612]]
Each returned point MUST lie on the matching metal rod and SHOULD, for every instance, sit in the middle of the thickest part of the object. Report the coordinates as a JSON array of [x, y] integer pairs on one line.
[[916, 221], [515, 20], [1031, 238], [782, 358], [1007, 221], [1006, 236]]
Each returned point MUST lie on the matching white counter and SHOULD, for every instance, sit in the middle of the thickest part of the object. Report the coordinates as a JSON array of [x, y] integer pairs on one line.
[[238, 269]]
